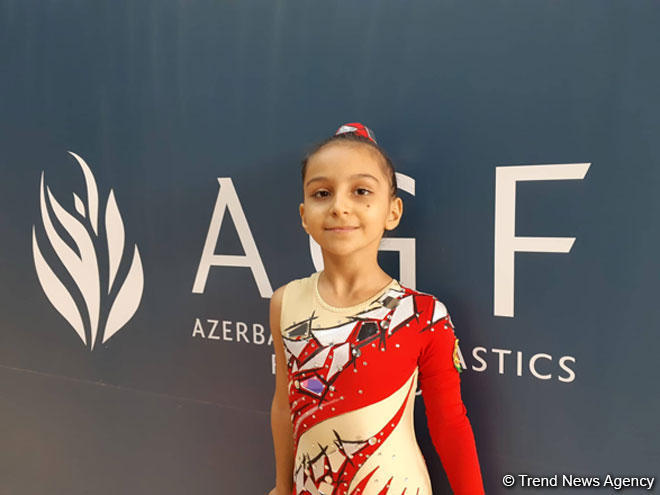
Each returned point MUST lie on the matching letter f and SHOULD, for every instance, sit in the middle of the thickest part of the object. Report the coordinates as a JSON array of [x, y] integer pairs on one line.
[[506, 241]]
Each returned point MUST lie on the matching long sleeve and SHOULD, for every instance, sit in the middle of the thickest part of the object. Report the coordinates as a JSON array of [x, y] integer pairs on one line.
[[449, 426]]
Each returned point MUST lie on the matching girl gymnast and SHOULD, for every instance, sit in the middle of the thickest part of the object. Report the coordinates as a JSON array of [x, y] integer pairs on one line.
[[351, 344]]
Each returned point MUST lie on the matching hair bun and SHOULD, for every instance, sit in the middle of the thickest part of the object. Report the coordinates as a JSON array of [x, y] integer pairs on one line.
[[357, 128]]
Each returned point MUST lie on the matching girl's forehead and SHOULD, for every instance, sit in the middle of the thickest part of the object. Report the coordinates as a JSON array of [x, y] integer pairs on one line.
[[337, 160]]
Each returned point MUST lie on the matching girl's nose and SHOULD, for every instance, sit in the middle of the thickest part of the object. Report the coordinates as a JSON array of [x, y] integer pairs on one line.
[[340, 204]]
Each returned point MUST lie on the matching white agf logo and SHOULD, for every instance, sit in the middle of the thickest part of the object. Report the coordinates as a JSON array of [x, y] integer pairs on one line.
[[82, 263]]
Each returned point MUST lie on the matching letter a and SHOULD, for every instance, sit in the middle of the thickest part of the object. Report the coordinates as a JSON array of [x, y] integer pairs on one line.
[[228, 200]]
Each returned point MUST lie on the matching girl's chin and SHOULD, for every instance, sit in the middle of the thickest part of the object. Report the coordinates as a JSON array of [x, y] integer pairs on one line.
[[342, 248]]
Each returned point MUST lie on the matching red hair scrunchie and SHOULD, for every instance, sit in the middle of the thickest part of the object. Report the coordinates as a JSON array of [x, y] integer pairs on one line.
[[357, 128]]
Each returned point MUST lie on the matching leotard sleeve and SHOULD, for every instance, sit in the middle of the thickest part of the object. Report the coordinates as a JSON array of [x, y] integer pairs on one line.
[[449, 426]]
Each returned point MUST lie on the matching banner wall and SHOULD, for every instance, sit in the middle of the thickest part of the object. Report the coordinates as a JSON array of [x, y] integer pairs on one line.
[[150, 156]]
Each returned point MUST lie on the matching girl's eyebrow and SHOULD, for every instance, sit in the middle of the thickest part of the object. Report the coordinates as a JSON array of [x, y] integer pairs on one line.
[[354, 176]]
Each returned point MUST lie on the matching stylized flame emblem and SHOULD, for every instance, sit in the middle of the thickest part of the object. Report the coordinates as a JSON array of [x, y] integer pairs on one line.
[[82, 263]]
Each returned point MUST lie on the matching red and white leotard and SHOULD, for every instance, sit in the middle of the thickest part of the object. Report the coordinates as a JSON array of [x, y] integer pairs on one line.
[[353, 374]]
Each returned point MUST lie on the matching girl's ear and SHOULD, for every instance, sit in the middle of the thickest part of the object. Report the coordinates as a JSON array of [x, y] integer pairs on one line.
[[301, 210], [394, 216]]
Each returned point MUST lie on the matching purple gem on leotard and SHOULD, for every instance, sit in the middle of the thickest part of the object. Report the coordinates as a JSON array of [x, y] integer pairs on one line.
[[313, 385]]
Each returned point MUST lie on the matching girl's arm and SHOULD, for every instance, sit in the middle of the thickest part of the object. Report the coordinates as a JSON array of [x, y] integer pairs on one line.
[[280, 414], [449, 426]]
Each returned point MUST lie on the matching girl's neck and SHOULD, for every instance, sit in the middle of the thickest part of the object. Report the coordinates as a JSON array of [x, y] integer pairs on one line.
[[344, 281]]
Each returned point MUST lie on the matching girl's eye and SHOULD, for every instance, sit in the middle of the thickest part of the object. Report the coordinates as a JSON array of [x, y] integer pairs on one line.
[[360, 191]]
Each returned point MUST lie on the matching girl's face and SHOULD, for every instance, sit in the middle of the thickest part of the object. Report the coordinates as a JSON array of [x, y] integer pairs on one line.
[[347, 199]]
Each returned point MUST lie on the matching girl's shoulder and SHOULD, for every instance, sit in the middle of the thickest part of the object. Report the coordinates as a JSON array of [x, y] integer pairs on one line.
[[295, 288], [425, 299], [418, 294], [300, 282]]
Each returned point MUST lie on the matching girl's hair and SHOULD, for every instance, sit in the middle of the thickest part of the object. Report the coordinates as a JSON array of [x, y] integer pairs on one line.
[[351, 137]]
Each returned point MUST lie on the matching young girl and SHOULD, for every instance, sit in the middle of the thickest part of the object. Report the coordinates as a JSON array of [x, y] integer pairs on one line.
[[351, 344]]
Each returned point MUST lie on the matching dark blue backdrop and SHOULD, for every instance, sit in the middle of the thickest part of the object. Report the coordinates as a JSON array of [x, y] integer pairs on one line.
[[162, 98]]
